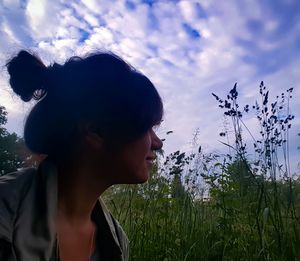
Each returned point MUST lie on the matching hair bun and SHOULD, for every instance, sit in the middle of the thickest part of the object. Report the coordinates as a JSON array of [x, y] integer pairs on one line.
[[27, 76]]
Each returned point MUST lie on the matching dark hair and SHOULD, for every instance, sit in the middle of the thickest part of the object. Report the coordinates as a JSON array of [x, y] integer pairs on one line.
[[101, 89]]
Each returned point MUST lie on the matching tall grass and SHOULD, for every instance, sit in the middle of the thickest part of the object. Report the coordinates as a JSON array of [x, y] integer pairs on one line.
[[253, 208]]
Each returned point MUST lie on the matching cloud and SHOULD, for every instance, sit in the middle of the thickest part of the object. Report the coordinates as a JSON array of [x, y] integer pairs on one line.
[[192, 11], [187, 48], [14, 24]]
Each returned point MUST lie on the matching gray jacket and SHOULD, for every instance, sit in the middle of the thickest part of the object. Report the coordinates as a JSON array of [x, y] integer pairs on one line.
[[28, 205]]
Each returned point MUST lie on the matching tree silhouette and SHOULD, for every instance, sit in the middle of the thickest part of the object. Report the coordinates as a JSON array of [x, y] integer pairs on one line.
[[13, 152]]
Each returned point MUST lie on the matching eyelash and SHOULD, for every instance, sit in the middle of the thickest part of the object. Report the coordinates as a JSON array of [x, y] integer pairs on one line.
[[155, 128]]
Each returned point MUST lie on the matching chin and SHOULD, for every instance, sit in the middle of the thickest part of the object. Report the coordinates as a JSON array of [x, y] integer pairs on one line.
[[133, 176], [140, 178], [141, 181]]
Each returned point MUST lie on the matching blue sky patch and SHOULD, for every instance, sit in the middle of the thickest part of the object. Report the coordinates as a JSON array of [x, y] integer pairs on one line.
[[130, 5], [200, 11], [23, 4], [149, 2], [84, 35], [193, 33], [153, 22], [255, 26], [152, 47]]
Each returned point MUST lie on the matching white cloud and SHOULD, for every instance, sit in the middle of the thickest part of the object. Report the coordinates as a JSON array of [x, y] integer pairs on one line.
[[100, 35], [42, 16], [185, 70], [188, 10], [91, 20], [16, 109], [36, 11], [95, 6]]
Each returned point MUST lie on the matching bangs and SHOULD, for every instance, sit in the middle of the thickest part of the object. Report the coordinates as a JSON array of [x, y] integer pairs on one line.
[[140, 108], [150, 106]]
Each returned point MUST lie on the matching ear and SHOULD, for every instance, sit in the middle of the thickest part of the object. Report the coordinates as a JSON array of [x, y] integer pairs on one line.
[[91, 138]]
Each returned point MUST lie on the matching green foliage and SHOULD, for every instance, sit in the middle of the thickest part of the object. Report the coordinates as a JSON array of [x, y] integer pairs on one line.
[[13, 153], [208, 206], [3, 118], [250, 210], [158, 221], [250, 193], [241, 220]]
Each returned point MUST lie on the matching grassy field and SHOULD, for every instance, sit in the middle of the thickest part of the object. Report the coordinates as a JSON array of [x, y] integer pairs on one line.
[[219, 207], [261, 223]]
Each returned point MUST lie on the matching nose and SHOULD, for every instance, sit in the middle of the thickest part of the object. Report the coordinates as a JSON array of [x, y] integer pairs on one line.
[[156, 141]]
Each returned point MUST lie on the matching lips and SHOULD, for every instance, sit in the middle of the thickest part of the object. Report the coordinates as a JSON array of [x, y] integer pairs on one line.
[[150, 160]]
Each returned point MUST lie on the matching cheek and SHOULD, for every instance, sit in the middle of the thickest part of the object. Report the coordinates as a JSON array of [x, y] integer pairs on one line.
[[129, 165], [134, 169]]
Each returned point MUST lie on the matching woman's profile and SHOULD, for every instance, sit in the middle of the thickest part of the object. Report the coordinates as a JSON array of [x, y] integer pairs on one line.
[[93, 121]]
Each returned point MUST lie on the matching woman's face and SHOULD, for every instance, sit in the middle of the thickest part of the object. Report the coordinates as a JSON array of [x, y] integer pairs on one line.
[[132, 163]]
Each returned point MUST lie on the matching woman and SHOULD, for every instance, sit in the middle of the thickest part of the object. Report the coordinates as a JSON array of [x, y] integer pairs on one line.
[[94, 121]]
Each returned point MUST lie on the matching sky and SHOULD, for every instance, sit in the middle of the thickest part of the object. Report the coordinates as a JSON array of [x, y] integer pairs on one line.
[[187, 48]]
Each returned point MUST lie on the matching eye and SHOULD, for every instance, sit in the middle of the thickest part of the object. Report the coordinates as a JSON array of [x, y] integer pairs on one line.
[[155, 128], [157, 124]]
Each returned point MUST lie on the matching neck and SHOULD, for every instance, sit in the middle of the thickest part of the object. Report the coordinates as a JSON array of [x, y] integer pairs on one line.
[[79, 188]]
